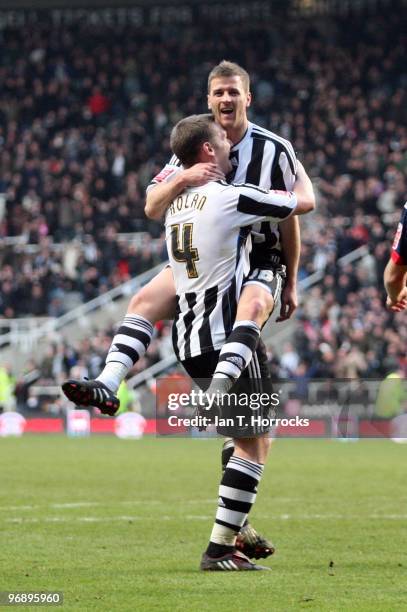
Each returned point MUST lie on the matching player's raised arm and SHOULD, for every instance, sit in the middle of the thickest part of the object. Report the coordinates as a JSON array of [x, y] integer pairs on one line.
[[395, 279], [290, 235], [172, 181], [395, 274], [291, 243], [260, 204], [304, 194], [304, 191], [277, 205]]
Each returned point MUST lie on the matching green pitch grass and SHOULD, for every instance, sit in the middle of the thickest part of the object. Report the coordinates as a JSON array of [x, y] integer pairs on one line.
[[121, 525]]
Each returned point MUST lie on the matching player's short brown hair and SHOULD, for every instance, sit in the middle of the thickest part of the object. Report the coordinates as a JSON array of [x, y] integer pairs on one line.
[[188, 136], [229, 69]]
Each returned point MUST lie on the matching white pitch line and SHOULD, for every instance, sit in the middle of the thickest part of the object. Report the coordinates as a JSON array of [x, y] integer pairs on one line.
[[99, 519], [73, 505], [8, 508], [136, 502], [86, 519], [200, 517], [336, 517], [142, 502], [312, 517], [21, 520]]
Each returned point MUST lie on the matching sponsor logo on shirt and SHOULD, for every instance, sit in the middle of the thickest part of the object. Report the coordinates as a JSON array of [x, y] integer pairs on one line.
[[397, 236], [163, 175]]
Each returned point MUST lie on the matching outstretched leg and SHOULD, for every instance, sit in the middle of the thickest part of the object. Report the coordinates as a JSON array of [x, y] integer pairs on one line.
[[154, 302]]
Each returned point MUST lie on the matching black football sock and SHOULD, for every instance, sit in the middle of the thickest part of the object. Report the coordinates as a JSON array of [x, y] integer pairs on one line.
[[237, 494], [235, 356], [129, 344]]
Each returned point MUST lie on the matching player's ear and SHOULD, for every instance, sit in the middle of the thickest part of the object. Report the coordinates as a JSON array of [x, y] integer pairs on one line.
[[248, 99], [207, 148], [209, 102]]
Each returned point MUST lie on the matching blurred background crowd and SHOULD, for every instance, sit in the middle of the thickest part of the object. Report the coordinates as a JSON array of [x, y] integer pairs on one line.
[[84, 125]]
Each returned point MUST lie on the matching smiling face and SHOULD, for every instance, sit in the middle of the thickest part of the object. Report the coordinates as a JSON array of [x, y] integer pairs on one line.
[[229, 100]]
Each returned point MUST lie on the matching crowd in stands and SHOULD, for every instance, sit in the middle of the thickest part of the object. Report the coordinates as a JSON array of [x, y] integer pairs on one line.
[[49, 279], [84, 124]]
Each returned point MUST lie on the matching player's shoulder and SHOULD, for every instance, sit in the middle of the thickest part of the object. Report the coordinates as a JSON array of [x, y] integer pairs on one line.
[[403, 220], [220, 185], [233, 187], [223, 193], [214, 189], [260, 132], [171, 168], [174, 161], [249, 187]]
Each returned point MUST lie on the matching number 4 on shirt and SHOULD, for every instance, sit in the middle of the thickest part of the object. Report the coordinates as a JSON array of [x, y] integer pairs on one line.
[[184, 252]]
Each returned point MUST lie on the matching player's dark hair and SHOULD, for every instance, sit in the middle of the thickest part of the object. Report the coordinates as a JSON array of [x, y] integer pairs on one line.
[[188, 136], [229, 69]]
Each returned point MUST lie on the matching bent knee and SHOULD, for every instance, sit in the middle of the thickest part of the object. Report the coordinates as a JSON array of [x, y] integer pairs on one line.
[[255, 449], [266, 443], [263, 445], [263, 448], [260, 307], [139, 301], [152, 304]]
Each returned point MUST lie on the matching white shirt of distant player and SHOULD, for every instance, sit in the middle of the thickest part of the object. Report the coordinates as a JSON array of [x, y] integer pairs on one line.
[[12, 424]]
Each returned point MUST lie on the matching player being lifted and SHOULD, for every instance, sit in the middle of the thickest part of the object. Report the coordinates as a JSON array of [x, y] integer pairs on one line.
[[258, 157], [208, 240]]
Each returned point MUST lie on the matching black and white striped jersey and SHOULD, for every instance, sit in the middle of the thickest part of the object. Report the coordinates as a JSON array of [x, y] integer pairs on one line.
[[208, 241], [264, 159]]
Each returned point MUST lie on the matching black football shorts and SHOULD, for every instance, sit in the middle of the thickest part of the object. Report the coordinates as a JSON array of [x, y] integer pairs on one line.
[[271, 279], [246, 413]]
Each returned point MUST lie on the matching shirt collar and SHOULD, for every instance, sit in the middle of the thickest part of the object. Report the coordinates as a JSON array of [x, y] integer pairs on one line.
[[245, 136]]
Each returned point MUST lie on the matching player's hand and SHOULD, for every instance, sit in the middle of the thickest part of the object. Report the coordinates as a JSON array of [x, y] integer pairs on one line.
[[199, 174], [399, 304], [289, 302]]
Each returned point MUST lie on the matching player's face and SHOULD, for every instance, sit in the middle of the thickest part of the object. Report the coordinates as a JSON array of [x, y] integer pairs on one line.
[[221, 147], [228, 100]]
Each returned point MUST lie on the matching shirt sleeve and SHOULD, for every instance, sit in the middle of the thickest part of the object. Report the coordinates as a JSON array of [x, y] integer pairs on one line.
[[254, 204], [284, 168], [399, 248], [167, 173]]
